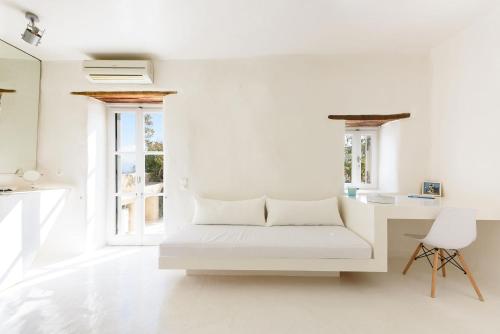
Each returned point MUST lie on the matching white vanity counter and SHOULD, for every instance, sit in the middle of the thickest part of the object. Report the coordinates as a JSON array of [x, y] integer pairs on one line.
[[26, 217], [17, 190]]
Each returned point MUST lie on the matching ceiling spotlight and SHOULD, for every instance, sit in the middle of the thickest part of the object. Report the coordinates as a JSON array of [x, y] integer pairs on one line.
[[32, 34]]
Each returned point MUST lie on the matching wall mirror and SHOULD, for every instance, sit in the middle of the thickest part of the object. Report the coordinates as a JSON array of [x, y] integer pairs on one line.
[[19, 102]]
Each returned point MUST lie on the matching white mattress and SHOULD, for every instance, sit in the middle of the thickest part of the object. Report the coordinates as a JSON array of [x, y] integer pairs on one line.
[[230, 241]]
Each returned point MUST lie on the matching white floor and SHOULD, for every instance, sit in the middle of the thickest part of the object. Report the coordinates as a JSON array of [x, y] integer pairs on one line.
[[120, 290]]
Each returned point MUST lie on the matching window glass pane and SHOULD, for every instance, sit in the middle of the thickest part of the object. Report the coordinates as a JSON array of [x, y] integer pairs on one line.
[[125, 132], [366, 159], [153, 131], [153, 220], [125, 177], [125, 215], [348, 158], [154, 173]]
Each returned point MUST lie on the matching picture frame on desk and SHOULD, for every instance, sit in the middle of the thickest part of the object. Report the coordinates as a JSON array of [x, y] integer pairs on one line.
[[432, 188]]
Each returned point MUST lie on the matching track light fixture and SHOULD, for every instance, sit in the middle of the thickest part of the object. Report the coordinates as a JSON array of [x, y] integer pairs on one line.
[[32, 34]]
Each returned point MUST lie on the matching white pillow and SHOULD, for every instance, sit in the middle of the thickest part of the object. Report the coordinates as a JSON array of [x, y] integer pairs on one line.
[[323, 212], [216, 212]]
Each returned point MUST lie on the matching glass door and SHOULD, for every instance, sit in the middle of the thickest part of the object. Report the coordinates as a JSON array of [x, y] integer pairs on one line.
[[137, 165], [153, 161]]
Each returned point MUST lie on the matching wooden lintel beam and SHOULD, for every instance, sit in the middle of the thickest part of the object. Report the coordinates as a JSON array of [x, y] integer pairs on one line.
[[2, 90], [370, 117], [127, 96], [369, 120]]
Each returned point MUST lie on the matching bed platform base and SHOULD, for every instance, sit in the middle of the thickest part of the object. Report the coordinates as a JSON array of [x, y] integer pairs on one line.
[[274, 265], [262, 273]]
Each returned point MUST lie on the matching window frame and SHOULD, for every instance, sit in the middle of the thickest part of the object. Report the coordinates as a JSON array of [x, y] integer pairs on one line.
[[356, 134]]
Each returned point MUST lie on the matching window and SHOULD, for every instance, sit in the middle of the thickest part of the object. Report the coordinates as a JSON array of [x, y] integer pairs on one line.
[[360, 158]]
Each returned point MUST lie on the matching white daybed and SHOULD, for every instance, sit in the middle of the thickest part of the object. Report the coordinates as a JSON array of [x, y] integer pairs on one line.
[[358, 246], [296, 242]]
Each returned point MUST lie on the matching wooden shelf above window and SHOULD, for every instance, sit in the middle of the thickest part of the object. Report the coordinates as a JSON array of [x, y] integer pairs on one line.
[[128, 96], [7, 90], [354, 121]]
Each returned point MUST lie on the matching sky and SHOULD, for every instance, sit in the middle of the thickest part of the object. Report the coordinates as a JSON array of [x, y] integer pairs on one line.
[[127, 137], [127, 130]]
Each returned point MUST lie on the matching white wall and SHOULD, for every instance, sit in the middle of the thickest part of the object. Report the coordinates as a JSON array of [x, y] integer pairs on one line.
[[466, 113], [389, 157], [246, 128], [62, 154], [237, 128], [96, 191]]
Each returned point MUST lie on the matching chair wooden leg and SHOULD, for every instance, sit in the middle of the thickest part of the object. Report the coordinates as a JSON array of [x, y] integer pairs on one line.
[[434, 272], [469, 276], [413, 256], [443, 261]]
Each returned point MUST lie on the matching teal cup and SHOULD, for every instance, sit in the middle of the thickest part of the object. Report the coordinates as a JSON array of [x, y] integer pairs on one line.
[[352, 191]]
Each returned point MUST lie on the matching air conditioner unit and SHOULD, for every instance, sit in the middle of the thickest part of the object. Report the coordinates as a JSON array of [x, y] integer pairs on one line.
[[119, 71]]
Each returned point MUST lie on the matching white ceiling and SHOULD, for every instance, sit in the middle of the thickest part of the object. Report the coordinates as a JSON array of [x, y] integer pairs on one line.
[[166, 29]]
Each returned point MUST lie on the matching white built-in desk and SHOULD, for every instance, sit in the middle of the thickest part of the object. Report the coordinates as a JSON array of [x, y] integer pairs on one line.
[[421, 208], [26, 217], [369, 220]]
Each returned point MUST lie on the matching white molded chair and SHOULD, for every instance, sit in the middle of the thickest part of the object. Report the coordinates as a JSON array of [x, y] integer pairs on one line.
[[453, 230]]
